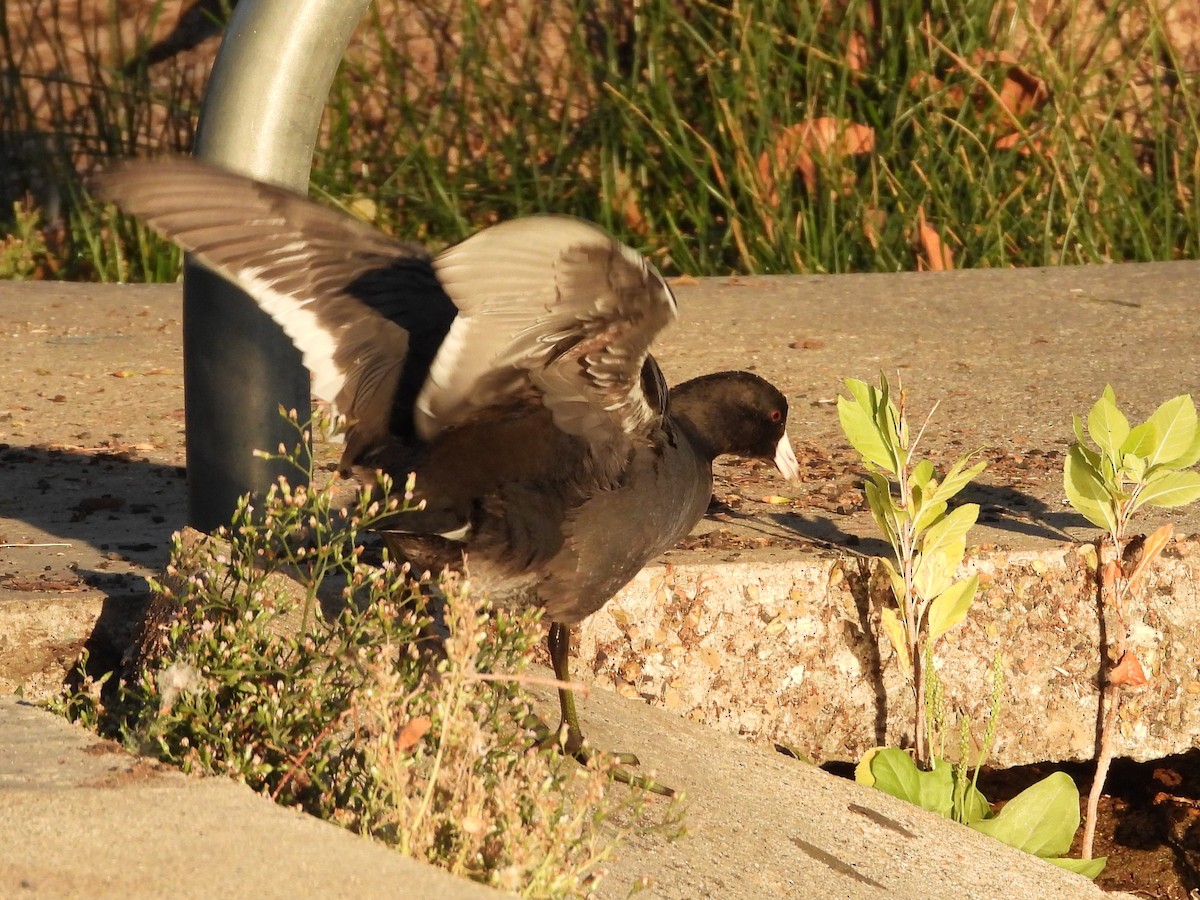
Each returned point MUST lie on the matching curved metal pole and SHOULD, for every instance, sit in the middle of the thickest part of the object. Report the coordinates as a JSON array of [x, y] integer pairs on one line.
[[260, 117]]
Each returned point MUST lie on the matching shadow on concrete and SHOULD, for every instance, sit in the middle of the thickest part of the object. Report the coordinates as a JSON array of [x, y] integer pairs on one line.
[[1008, 509], [106, 504], [107, 517], [827, 530], [1001, 509], [108, 646], [866, 646]]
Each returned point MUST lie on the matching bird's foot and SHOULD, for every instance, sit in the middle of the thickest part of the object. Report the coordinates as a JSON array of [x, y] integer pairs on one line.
[[570, 742]]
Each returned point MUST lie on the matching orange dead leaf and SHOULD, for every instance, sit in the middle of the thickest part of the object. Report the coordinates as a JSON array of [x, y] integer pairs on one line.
[[938, 257], [858, 57], [873, 221], [1128, 672], [1022, 91], [1151, 549], [1110, 572], [625, 201], [1169, 777], [1023, 144], [931, 84], [803, 145], [413, 731]]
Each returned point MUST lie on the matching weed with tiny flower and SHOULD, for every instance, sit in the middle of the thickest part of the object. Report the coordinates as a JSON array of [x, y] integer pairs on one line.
[[293, 663]]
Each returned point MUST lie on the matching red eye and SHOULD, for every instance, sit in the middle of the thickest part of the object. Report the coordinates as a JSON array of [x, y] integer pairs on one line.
[[776, 415]]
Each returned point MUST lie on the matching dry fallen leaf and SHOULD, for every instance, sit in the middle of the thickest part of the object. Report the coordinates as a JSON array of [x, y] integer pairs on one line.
[[1169, 777], [803, 145], [1023, 144], [1022, 91], [873, 221], [1019, 94], [413, 731], [1151, 549], [1128, 672], [858, 56], [938, 257], [807, 344]]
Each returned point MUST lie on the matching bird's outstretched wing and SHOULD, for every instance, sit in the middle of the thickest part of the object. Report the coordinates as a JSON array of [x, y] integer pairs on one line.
[[546, 310], [555, 305], [365, 310]]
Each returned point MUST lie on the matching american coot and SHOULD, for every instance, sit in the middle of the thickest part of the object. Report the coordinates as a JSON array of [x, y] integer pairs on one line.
[[511, 372]]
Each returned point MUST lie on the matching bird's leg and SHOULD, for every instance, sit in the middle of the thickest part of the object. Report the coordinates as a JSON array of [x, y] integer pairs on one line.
[[558, 641]]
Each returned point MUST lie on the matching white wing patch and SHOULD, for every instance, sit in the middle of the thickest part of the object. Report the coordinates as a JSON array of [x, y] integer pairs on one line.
[[315, 342]]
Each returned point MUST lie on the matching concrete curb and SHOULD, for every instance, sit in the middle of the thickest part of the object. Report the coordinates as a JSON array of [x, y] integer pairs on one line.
[[82, 818], [789, 650]]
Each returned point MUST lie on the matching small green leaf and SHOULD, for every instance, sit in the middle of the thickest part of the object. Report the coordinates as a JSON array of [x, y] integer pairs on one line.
[[931, 513], [1107, 425], [895, 773], [958, 477], [1134, 467], [1085, 489], [889, 621], [951, 606], [972, 806], [882, 506], [951, 531], [1080, 434], [1189, 457], [1175, 424], [921, 484], [1166, 488], [942, 549], [921, 476], [1088, 868], [1041, 820], [1141, 440], [862, 771], [859, 425], [1093, 458], [931, 575], [894, 579]]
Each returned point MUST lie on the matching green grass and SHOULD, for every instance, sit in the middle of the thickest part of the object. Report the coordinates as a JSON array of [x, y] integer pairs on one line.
[[652, 120]]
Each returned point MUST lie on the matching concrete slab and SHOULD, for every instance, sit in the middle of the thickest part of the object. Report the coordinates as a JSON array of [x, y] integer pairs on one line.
[[764, 825], [82, 818]]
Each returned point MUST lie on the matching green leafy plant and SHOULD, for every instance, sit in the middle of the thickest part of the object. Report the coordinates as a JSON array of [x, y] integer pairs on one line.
[[1127, 469], [1041, 820], [24, 249], [377, 714], [911, 507]]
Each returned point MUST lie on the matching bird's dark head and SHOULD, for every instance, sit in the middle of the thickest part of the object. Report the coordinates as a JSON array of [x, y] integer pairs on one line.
[[737, 413]]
